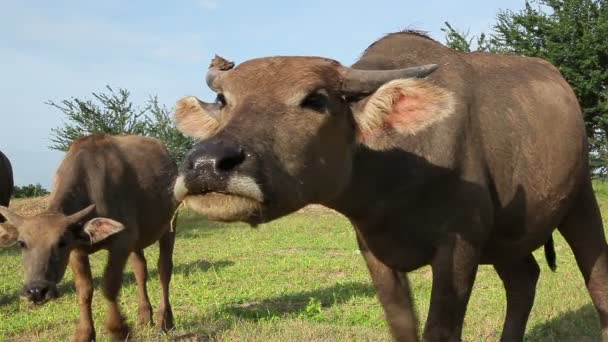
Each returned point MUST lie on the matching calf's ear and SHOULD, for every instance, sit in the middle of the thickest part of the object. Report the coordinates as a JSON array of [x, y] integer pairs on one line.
[[98, 229], [403, 106], [8, 235], [13, 218], [195, 118]]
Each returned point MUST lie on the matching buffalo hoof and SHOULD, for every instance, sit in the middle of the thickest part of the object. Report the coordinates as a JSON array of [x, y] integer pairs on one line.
[[165, 320], [118, 329], [145, 316], [84, 334]]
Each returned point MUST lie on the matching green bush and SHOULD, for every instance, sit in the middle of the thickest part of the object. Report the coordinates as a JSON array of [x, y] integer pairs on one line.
[[114, 113]]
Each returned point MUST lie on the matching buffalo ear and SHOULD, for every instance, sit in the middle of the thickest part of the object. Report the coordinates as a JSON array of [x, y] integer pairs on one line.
[[13, 218], [404, 106], [99, 229], [195, 118], [8, 235]]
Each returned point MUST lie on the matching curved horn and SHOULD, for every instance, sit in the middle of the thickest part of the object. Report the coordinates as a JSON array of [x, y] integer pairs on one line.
[[357, 81], [217, 68], [11, 217], [79, 216]]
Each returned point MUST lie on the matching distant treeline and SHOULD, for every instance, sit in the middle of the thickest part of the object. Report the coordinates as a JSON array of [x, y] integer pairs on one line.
[[30, 190]]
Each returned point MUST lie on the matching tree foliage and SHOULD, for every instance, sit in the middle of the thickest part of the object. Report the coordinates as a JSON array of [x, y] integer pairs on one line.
[[114, 113], [30, 190], [159, 124], [571, 34]]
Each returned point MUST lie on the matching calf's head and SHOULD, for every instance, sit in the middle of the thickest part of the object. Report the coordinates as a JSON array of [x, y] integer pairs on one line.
[[46, 241], [283, 130]]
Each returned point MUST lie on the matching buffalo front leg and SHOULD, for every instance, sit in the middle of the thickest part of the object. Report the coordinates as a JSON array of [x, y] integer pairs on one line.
[[165, 269], [583, 230], [519, 278], [140, 268], [79, 263], [454, 268], [394, 294], [115, 322]]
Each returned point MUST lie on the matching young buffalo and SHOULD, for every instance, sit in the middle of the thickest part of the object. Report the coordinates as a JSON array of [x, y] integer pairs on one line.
[[113, 193]]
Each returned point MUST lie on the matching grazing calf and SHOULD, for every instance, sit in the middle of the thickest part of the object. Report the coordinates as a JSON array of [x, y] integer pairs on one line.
[[6, 181], [113, 193]]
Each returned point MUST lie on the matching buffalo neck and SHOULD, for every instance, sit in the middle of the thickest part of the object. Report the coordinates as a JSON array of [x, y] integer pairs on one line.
[[378, 178]]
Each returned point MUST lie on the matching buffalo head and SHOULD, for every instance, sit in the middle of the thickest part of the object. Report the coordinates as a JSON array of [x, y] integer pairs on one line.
[[46, 241], [283, 130]]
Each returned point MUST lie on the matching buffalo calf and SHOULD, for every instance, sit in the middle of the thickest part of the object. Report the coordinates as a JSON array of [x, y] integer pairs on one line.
[[113, 193]]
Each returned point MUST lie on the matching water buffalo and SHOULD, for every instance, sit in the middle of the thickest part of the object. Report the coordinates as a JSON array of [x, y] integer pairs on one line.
[[474, 163], [6, 181], [113, 193]]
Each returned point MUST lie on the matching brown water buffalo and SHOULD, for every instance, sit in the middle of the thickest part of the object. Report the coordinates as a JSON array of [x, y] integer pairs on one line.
[[475, 164], [6, 181], [113, 193]]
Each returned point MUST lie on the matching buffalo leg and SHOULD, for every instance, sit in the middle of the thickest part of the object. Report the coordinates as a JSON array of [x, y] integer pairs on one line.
[[454, 268], [394, 295], [165, 268], [140, 268], [583, 230], [115, 322], [79, 263], [519, 279]]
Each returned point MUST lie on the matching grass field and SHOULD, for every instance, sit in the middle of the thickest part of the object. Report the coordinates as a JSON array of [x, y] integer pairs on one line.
[[297, 279]]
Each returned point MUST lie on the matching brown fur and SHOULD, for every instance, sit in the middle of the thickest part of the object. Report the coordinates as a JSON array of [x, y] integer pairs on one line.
[[221, 63], [486, 181], [129, 180]]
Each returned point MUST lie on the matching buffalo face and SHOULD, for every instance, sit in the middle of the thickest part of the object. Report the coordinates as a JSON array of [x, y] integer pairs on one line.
[[46, 241], [283, 130]]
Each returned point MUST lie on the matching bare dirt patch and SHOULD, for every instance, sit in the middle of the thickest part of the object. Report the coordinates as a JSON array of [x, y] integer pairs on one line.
[[29, 206]]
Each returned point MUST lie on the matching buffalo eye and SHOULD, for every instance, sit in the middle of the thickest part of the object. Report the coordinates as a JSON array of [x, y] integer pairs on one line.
[[21, 244], [61, 244], [221, 100], [317, 101]]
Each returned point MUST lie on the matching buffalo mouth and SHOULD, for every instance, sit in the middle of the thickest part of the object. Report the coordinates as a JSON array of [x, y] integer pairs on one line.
[[40, 297], [240, 200]]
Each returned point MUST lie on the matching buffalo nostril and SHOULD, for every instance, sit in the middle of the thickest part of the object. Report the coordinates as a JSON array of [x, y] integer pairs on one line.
[[36, 294], [231, 160], [207, 159]]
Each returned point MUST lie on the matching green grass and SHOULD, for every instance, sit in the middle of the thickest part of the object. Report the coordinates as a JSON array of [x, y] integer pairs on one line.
[[296, 279]]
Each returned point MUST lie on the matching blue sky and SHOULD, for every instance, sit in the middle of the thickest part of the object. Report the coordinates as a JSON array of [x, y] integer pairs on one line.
[[55, 50]]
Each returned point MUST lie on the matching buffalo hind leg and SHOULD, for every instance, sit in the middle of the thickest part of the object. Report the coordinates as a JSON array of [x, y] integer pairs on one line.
[[165, 269], [115, 321], [454, 268], [519, 279], [79, 263], [394, 295], [583, 230], [140, 268]]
